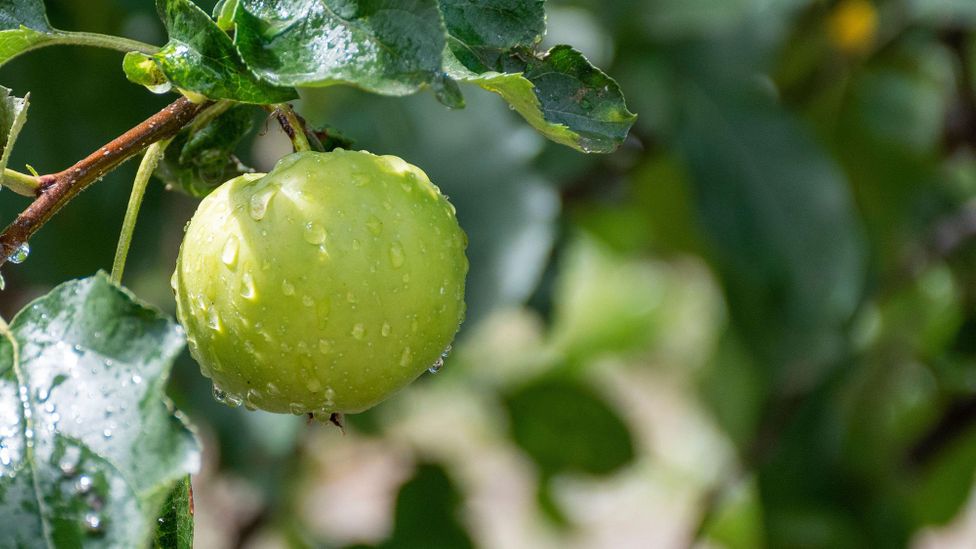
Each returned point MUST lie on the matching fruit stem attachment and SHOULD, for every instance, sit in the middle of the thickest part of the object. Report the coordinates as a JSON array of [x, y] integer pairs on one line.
[[20, 183], [146, 168], [56, 190], [293, 126]]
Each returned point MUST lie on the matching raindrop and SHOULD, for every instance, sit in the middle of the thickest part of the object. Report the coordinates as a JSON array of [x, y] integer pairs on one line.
[[358, 331], [260, 201], [360, 179], [107, 433], [325, 346], [20, 254], [374, 225], [160, 89], [296, 408], [213, 319], [287, 288], [396, 255], [436, 366], [249, 399], [247, 286], [219, 394], [314, 233], [308, 301], [83, 485], [233, 400], [313, 384], [385, 330], [93, 523], [229, 255], [69, 462], [406, 356]]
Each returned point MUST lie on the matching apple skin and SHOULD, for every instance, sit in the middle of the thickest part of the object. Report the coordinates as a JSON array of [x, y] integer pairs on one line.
[[323, 286]]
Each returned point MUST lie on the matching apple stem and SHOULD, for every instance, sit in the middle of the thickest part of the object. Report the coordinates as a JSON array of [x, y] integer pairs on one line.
[[294, 126], [57, 189]]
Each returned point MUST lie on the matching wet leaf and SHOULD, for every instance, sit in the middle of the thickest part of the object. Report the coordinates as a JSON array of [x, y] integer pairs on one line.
[[13, 114], [174, 527], [201, 58], [197, 162], [89, 447], [23, 27], [560, 94], [384, 46]]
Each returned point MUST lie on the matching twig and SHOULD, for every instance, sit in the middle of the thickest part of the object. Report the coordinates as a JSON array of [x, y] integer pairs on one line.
[[56, 190]]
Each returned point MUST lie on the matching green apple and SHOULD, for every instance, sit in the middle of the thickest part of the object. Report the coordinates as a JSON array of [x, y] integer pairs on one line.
[[323, 286]]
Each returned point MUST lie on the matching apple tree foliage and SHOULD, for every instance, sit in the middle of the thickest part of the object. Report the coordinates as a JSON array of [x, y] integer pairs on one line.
[[91, 451]]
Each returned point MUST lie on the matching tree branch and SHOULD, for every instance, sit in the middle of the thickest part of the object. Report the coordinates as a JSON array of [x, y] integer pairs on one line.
[[56, 190]]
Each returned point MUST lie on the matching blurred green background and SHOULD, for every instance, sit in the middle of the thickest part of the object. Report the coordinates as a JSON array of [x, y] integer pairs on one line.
[[752, 326]]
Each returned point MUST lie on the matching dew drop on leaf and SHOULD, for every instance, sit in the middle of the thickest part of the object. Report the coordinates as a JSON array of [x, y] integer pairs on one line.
[[93, 523], [83, 485]]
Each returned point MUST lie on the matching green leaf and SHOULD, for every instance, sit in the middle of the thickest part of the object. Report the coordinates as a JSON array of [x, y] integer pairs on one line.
[[782, 227], [23, 27], [89, 446], [201, 58], [174, 528], [561, 95], [480, 32], [142, 69], [13, 114], [429, 498], [198, 161], [390, 47], [223, 14], [565, 426]]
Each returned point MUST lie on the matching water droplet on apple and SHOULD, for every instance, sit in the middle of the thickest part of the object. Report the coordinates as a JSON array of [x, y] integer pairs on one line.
[[396, 255], [287, 288], [314, 233], [260, 201], [247, 286], [229, 255]]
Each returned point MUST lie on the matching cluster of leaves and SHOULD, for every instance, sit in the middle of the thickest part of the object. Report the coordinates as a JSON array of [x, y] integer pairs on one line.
[[389, 48], [91, 450]]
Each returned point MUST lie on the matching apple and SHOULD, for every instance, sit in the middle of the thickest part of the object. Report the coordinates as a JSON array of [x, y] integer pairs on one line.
[[323, 286]]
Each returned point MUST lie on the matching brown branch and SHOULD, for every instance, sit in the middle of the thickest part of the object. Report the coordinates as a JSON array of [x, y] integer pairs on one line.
[[58, 189]]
